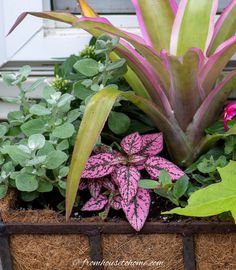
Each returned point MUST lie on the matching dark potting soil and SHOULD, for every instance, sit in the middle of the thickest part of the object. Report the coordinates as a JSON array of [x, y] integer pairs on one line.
[[52, 199]]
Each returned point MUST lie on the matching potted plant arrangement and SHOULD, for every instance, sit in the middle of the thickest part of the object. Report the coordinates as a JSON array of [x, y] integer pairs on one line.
[[133, 128]]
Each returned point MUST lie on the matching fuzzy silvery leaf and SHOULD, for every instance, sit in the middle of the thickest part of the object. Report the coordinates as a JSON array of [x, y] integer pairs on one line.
[[98, 166], [55, 159], [95, 204], [154, 165], [11, 100], [44, 186], [8, 168], [81, 91], [137, 210], [63, 145], [16, 154], [132, 143], [29, 196], [35, 85], [127, 178], [64, 131], [118, 122], [36, 141], [3, 190], [152, 144], [48, 91], [24, 148], [35, 126], [62, 184], [26, 182], [48, 148], [16, 116], [3, 130], [115, 65], [8, 78], [87, 67], [36, 161], [39, 110], [63, 172], [64, 100], [73, 115]]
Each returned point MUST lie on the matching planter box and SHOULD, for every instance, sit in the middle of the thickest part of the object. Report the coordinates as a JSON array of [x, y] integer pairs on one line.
[[43, 240]]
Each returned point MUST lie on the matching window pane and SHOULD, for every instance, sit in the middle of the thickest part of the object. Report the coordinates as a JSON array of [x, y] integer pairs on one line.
[[109, 6]]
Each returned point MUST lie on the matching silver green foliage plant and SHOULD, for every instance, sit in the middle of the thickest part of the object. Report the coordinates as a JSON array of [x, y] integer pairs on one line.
[[35, 141]]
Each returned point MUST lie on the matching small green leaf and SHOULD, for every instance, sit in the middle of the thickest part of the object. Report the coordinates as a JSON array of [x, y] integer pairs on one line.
[[36, 161], [26, 182], [35, 126], [36, 141], [207, 165], [87, 67], [3, 130], [73, 115], [81, 91], [62, 184], [45, 186], [63, 172], [180, 187], [3, 190], [39, 110], [55, 159], [165, 179], [149, 184], [64, 131], [29, 196], [48, 91], [16, 154], [115, 65], [118, 122], [48, 147], [65, 99], [64, 145]]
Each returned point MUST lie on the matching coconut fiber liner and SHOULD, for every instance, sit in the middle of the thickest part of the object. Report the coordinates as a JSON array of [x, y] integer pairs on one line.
[[64, 252]]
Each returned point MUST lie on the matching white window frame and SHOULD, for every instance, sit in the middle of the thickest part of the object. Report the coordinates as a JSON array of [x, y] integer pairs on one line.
[[44, 40]]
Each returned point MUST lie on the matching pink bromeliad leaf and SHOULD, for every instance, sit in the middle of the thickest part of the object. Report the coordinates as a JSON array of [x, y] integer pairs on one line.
[[132, 143], [154, 165], [98, 166], [83, 184], [95, 204], [95, 187], [116, 202], [229, 114], [137, 210], [152, 144], [127, 178]]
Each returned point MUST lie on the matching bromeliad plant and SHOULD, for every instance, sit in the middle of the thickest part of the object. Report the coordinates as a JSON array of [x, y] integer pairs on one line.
[[173, 69]]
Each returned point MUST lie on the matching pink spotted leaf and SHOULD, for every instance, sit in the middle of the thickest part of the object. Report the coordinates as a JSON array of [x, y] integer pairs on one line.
[[95, 204], [99, 165], [137, 159], [154, 165], [152, 144], [95, 187], [116, 202], [137, 210], [108, 184], [132, 143], [83, 184], [127, 179]]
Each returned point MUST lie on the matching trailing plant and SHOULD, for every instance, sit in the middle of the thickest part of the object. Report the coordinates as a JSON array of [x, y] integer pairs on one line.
[[172, 72], [124, 168], [214, 199], [36, 141]]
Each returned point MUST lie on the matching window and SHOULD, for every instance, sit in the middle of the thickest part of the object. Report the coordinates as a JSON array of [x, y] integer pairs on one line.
[[102, 7]]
